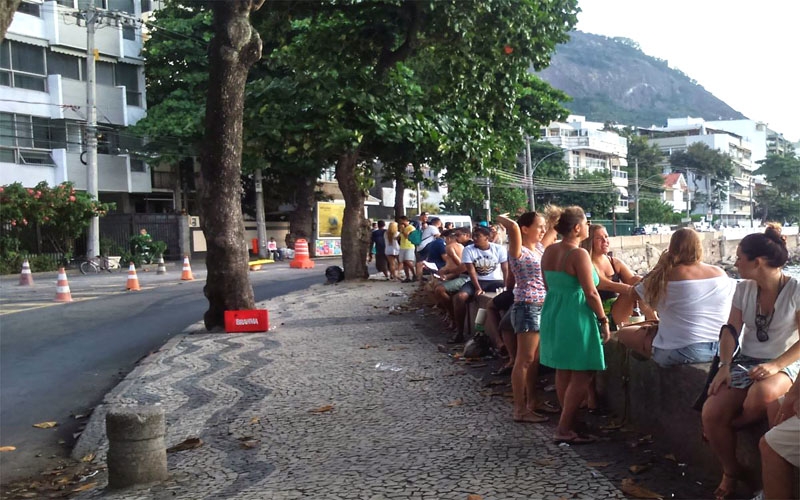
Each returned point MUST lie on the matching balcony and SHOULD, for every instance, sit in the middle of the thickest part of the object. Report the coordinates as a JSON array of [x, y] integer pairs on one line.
[[70, 95]]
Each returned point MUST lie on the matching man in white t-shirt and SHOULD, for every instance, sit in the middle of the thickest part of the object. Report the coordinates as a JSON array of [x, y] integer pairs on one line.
[[487, 267]]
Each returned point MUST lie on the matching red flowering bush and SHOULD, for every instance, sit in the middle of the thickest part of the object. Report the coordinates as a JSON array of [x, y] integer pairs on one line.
[[59, 214]]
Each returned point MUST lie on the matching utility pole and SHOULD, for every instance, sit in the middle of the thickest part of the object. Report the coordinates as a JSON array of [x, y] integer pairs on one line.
[[488, 200], [261, 225], [636, 187], [93, 232], [529, 171], [752, 208]]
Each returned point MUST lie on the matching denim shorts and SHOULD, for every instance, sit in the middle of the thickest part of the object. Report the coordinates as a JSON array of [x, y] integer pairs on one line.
[[525, 317], [742, 364], [701, 352]]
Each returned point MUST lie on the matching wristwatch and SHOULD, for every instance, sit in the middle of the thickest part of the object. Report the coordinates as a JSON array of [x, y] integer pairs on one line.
[[602, 320]]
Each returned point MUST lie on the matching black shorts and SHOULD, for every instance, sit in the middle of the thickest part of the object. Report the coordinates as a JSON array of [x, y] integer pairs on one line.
[[504, 300]]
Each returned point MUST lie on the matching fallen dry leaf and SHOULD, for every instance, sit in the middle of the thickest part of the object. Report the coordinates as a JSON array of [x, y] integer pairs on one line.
[[251, 443], [543, 462], [187, 444], [367, 346], [457, 402], [598, 464], [87, 486], [670, 456], [637, 469], [255, 420], [630, 487], [473, 496], [495, 382], [477, 365], [45, 425], [88, 458], [322, 409]]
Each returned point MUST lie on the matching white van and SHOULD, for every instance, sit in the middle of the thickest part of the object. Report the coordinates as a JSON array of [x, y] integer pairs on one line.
[[457, 220]]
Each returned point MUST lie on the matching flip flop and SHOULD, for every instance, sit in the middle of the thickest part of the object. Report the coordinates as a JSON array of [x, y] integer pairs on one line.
[[548, 407], [531, 417], [577, 439], [503, 370]]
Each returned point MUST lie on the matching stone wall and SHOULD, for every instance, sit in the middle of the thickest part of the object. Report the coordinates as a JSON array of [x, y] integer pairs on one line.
[[641, 253]]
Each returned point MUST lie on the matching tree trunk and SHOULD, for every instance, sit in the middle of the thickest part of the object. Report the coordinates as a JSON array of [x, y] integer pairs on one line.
[[7, 9], [399, 196], [354, 251], [234, 48], [301, 221]]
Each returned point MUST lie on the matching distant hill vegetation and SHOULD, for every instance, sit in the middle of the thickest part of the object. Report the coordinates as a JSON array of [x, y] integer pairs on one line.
[[611, 79]]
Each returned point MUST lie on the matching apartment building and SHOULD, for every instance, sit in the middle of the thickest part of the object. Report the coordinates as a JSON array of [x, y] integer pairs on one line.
[[763, 140], [43, 110], [734, 204], [589, 148]]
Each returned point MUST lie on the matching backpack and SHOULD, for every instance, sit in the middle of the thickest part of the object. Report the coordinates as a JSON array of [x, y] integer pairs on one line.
[[334, 274], [415, 237]]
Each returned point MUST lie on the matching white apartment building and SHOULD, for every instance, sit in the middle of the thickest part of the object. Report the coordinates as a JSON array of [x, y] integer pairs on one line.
[[736, 200], [763, 140], [43, 88], [588, 148]]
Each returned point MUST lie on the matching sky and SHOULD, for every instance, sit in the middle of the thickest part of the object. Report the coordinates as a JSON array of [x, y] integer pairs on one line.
[[745, 52]]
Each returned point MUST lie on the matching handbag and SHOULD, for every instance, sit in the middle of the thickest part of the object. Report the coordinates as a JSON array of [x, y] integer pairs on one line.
[[712, 372]]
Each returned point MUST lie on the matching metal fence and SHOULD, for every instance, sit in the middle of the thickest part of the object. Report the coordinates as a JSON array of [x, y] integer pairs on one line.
[[119, 228]]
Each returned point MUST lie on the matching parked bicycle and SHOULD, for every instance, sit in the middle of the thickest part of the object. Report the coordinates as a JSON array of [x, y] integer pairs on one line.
[[97, 264]]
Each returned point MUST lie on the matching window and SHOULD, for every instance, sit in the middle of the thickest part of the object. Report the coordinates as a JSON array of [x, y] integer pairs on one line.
[[104, 73], [64, 65], [24, 131], [66, 3], [121, 5], [32, 9], [22, 66], [128, 32], [128, 75], [138, 165]]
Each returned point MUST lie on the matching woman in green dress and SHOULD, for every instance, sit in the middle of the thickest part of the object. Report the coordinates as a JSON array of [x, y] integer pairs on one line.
[[574, 326]]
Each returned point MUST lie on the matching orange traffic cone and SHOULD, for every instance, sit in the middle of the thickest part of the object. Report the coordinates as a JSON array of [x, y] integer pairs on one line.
[[25, 277], [186, 274], [62, 287], [133, 280], [301, 260]]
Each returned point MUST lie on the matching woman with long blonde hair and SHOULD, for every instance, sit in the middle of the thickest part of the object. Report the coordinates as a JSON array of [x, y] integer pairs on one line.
[[692, 299], [392, 236]]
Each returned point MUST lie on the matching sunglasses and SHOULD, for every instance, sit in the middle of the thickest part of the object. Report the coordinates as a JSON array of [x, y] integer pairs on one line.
[[762, 325]]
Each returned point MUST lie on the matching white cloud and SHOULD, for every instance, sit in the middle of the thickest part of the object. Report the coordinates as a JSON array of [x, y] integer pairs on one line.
[[742, 51]]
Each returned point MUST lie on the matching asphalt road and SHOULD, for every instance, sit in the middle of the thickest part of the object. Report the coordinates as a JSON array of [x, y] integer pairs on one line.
[[58, 360]]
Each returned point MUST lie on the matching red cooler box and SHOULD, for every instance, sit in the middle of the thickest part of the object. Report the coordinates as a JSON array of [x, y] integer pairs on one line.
[[254, 320]]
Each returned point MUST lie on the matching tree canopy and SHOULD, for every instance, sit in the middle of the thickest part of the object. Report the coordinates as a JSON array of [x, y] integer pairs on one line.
[[781, 200]]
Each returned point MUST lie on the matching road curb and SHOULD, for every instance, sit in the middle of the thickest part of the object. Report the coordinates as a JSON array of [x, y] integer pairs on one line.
[[93, 437]]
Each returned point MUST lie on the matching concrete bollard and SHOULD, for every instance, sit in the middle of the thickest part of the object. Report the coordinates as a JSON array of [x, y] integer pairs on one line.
[[136, 450]]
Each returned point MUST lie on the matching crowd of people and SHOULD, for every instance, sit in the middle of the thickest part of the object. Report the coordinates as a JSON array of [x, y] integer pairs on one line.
[[561, 295]]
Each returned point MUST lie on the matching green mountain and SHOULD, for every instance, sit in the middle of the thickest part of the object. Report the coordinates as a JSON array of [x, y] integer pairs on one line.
[[611, 79]]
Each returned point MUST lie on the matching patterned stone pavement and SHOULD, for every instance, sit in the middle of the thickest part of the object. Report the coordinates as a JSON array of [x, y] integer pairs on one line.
[[404, 421]]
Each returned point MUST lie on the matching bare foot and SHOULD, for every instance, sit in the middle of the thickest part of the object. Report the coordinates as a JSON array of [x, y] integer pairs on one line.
[[530, 417]]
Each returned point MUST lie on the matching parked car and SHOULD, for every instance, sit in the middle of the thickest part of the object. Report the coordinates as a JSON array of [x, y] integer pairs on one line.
[[638, 231]]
